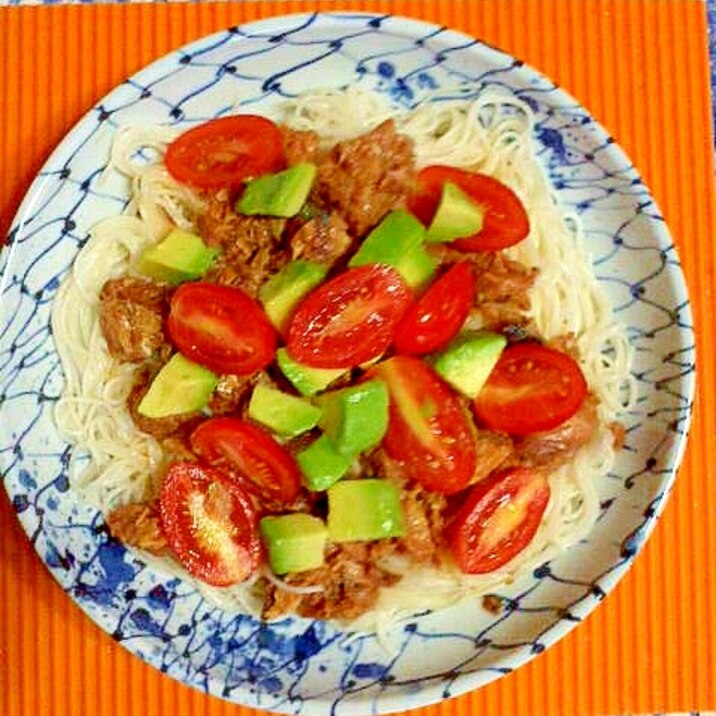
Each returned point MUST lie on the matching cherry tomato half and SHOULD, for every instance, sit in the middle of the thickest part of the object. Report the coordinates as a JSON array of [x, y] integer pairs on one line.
[[436, 317], [350, 319], [505, 222], [498, 519], [210, 524], [249, 454], [429, 433], [223, 152], [221, 328], [530, 389]]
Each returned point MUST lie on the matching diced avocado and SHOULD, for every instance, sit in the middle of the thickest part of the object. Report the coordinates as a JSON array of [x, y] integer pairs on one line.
[[280, 194], [286, 414], [468, 361], [305, 379], [457, 216], [366, 509], [294, 542], [180, 256], [283, 291], [417, 267], [179, 387], [398, 242], [321, 464], [355, 418], [397, 235]]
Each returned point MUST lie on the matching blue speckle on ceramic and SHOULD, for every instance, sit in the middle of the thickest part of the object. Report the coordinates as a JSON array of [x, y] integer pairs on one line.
[[295, 665]]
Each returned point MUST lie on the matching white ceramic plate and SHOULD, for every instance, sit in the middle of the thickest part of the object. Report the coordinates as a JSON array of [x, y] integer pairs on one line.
[[299, 666]]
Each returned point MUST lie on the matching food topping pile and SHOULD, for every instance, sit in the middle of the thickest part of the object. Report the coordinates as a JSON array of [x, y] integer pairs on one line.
[[340, 366]]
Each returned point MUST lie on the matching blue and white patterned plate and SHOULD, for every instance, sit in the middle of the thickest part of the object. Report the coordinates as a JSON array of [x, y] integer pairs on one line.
[[299, 666]]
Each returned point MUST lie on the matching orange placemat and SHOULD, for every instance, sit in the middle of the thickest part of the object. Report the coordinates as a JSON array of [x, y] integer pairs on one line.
[[640, 67]]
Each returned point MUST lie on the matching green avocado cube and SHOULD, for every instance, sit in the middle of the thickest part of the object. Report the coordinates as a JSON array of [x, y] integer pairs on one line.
[[321, 464], [417, 267], [283, 292], [398, 242], [457, 216], [396, 235], [305, 379], [362, 510], [467, 361], [355, 418], [285, 414], [180, 256], [294, 542], [281, 194], [179, 387]]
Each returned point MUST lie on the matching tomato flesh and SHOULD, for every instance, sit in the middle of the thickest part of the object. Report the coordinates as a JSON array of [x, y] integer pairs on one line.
[[505, 221], [349, 320], [210, 524], [224, 152], [249, 454], [221, 328], [531, 388], [499, 518], [429, 433], [436, 317]]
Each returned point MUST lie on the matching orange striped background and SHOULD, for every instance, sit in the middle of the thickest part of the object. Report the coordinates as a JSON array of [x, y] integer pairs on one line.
[[641, 67]]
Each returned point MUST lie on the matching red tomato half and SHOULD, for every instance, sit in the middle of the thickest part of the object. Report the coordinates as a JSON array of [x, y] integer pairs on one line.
[[349, 320], [532, 388], [210, 524], [439, 313], [251, 455], [498, 519], [429, 432], [221, 328], [505, 222], [222, 153]]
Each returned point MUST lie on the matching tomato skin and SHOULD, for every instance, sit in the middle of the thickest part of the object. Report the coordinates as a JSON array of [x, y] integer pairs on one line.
[[483, 535], [223, 152], [505, 223], [531, 389], [349, 320], [249, 454], [429, 433], [217, 542], [436, 317], [221, 328]]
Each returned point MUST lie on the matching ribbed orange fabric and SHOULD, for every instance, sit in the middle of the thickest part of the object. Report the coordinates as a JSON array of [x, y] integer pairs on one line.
[[640, 66]]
